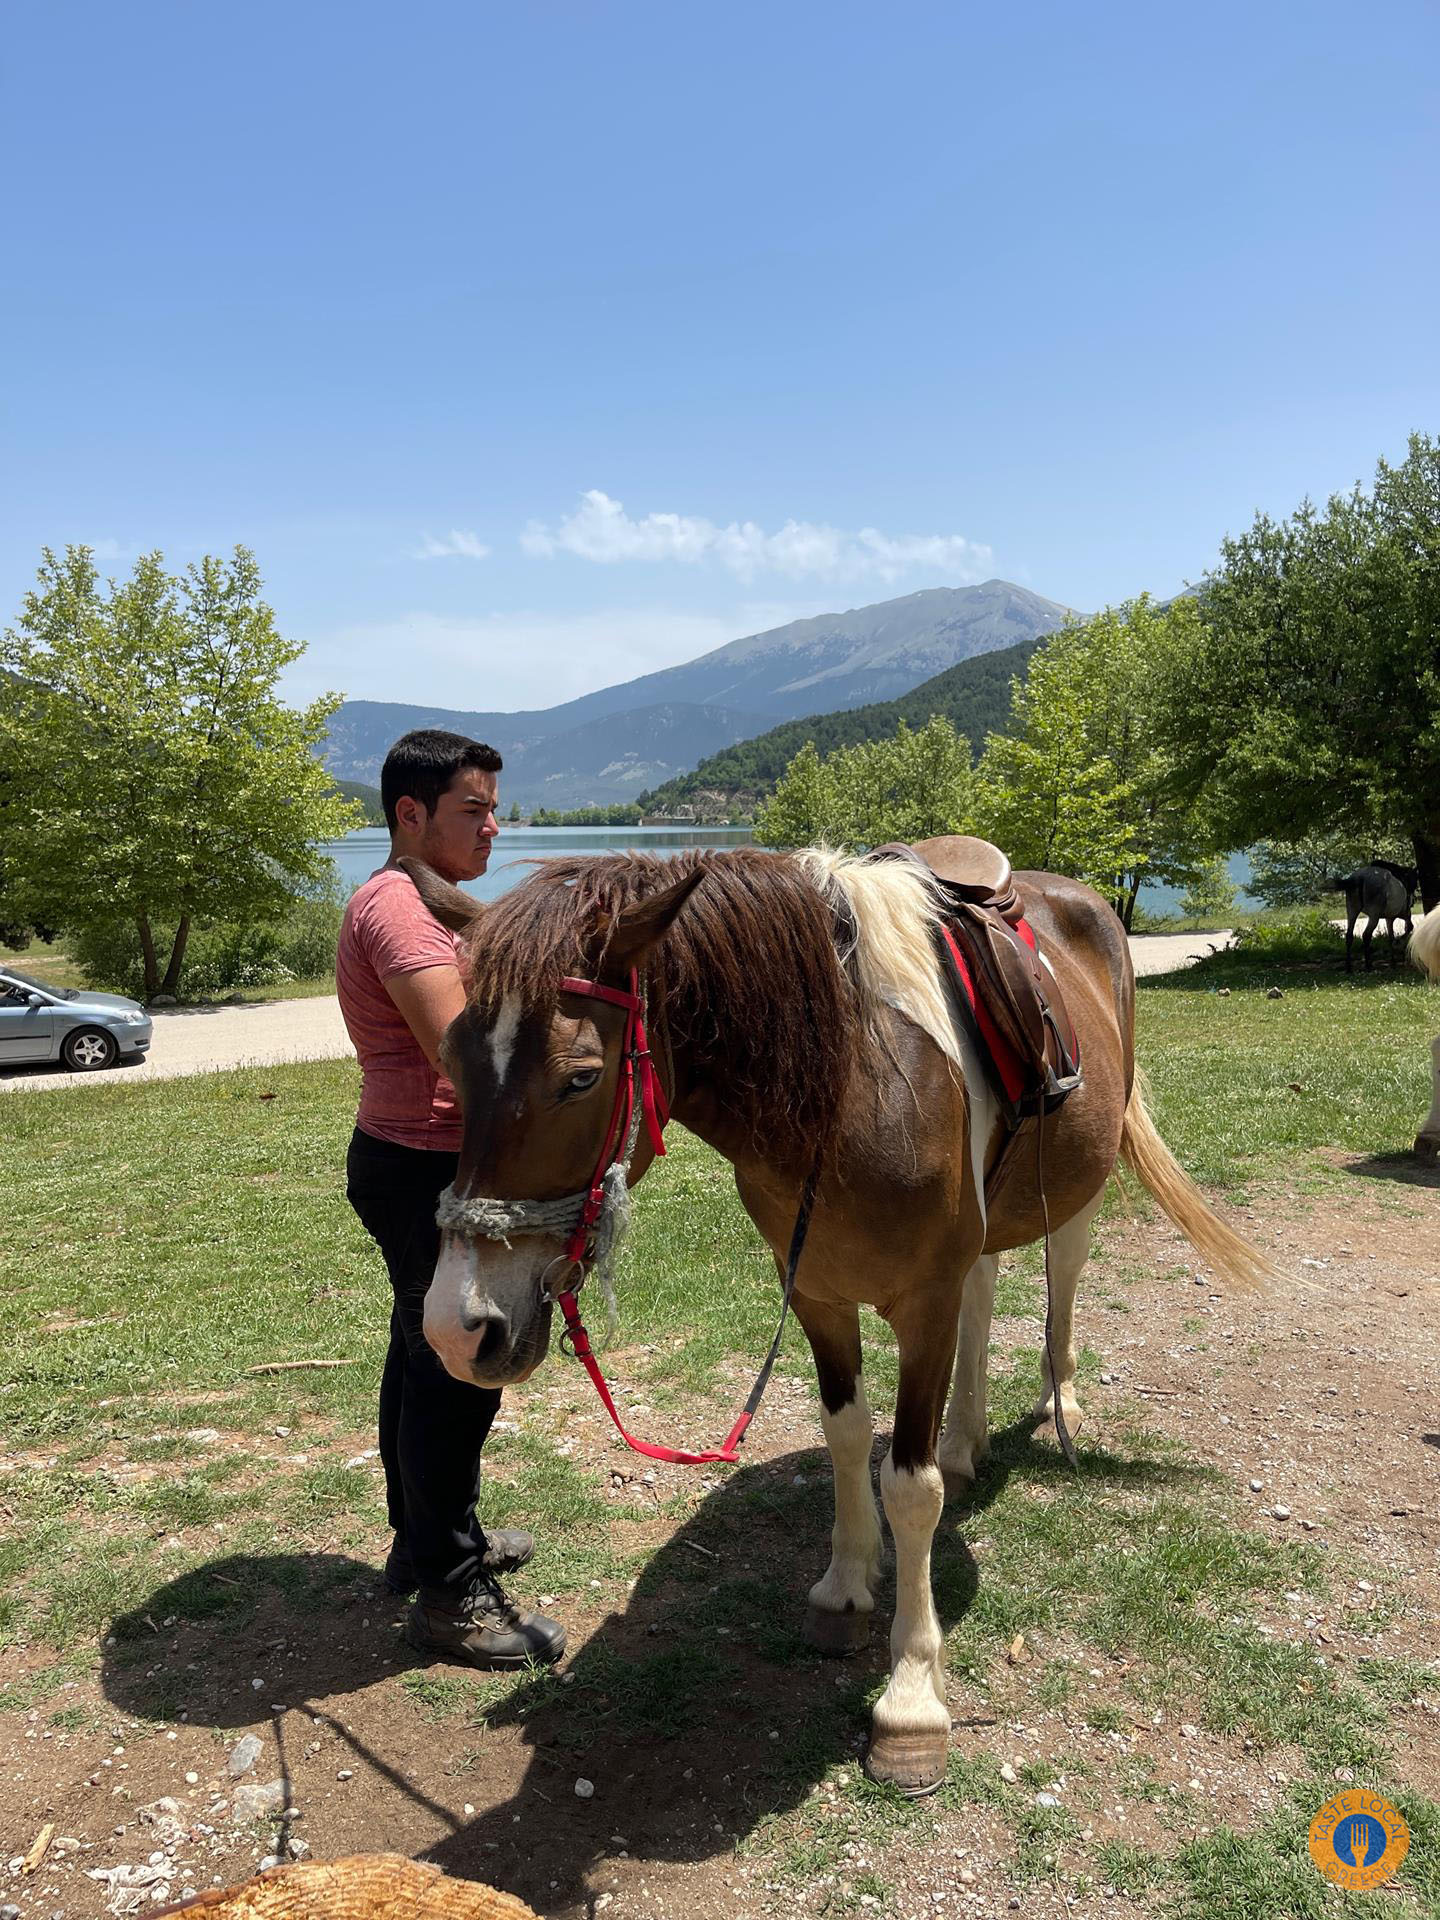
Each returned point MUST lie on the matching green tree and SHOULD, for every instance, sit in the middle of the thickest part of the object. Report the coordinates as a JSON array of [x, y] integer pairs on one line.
[[804, 807], [159, 778], [909, 787], [514, 813], [1313, 704], [1082, 783], [1211, 892]]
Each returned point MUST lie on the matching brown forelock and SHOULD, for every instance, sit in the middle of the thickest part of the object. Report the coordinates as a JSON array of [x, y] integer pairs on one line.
[[745, 984]]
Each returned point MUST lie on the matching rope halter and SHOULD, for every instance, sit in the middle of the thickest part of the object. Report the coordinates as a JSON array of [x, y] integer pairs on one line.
[[594, 1219]]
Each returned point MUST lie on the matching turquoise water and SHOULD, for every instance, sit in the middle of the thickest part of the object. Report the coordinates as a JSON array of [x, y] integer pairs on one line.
[[1167, 899], [360, 853]]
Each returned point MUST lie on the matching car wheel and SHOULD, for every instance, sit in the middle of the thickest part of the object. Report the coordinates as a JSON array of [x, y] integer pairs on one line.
[[88, 1049]]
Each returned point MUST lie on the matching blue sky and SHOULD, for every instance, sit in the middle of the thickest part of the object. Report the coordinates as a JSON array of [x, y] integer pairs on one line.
[[532, 347]]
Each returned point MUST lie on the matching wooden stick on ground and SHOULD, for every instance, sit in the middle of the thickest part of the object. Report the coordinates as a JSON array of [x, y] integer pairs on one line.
[[40, 1847], [295, 1366]]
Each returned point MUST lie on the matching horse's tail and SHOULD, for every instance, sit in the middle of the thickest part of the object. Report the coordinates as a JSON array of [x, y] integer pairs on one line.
[[1152, 1163], [1425, 944]]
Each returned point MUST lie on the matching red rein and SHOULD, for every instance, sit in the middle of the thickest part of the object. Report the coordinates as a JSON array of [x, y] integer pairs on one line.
[[637, 1065]]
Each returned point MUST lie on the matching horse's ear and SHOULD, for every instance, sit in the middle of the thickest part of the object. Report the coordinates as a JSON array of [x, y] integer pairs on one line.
[[635, 929], [450, 906]]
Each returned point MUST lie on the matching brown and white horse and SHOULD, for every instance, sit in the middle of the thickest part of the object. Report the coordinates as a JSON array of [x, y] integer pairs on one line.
[[796, 1008]]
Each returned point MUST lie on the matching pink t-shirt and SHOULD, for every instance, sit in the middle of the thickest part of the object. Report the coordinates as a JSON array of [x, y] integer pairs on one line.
[[388, 930]]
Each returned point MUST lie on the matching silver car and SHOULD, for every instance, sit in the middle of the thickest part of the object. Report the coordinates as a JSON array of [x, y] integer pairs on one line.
[[71, 1025]]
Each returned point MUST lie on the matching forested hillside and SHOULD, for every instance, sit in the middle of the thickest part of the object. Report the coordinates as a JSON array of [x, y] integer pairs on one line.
[[367, 797], [974, 695]]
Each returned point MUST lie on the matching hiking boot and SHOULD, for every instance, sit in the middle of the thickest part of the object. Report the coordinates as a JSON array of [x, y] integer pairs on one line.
[[506, 1548], [483, 1629]]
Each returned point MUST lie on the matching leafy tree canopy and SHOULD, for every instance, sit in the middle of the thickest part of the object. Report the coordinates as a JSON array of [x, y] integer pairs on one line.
[[156, 777], [1082, 782], [623, 814], [1312, 703], [909, 787]]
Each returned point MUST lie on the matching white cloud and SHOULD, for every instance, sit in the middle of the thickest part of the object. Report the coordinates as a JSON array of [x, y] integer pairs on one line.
[[602, 531], [456, 545], [503, 661]]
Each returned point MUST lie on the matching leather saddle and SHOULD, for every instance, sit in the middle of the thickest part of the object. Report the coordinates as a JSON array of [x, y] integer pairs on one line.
[[1009, 998]]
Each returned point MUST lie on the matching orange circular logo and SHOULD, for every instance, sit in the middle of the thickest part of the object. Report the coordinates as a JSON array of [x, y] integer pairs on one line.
[[1358, 1840]]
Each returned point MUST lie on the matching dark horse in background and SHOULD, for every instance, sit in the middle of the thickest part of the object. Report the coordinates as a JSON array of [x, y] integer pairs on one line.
[[800, 1025], [1381, 891]]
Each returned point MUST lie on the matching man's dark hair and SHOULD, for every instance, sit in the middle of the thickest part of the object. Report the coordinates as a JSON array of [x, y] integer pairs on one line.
[[424, 763]]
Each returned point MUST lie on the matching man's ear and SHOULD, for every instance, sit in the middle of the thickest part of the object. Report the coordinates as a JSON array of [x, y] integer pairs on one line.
[[635, 929], [450, 906]]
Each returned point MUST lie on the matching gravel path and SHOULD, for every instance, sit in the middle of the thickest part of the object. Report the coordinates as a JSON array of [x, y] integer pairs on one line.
[[202, 1039]]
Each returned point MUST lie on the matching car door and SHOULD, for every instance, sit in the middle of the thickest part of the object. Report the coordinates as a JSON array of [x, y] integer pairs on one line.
[[26, 1032]]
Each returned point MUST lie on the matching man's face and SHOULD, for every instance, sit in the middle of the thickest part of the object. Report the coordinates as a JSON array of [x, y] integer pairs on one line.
[[455, 839]]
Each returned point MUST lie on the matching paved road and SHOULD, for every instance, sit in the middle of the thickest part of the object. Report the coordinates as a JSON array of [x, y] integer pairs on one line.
[[201, 1039]]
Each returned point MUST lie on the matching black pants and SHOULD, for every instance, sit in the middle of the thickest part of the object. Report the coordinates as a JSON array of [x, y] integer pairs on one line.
[[432, 1426]]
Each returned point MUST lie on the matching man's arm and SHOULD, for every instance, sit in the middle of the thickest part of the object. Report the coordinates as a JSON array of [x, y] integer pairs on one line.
[[429, 1000]]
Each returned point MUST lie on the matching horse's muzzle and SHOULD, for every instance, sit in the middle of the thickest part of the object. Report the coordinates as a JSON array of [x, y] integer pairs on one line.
[[488, 1323]]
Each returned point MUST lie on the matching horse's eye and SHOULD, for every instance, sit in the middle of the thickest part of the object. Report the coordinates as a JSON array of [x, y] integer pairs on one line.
[[582, 1082]]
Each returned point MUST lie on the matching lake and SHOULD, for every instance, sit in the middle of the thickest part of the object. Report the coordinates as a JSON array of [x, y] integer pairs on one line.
[[360, 853]]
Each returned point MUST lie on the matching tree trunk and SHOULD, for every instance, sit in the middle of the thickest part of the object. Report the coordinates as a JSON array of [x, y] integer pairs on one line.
[[1427, 859], [1129, 914], [152, 965], [171, 982]]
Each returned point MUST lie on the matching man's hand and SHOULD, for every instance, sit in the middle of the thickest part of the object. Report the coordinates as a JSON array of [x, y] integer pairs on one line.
[[429, 1000]]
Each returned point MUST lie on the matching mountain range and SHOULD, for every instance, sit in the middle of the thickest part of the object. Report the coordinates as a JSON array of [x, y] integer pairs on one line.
[[613, 744]]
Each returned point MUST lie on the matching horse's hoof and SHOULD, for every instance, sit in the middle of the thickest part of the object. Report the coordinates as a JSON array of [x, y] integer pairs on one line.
[[912, 1763], [838, 1634], [1043, 1414], [1427, 1148]]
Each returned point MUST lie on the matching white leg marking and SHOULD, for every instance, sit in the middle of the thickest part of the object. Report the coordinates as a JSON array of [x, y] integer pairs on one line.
[[966, 1438], [502, 1037], [914, 1701], [855, 1542], [1069, 1250]]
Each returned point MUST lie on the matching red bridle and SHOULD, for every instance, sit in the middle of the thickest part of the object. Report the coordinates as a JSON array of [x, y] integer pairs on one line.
[[636, 1064], [638, 1079]]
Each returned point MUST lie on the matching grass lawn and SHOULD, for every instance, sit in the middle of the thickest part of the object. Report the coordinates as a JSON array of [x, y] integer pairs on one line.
[[159, 1241]]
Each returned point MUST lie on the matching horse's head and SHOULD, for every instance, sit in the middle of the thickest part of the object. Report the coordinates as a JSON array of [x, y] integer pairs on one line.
[[536, 1070]]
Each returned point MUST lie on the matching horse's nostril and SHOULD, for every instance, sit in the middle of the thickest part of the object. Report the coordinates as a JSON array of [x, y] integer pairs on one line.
[[493, 1336]]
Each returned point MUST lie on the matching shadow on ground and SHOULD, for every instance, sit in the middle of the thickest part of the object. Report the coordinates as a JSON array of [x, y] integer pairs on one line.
[[1405, 1168], [697, 1710]]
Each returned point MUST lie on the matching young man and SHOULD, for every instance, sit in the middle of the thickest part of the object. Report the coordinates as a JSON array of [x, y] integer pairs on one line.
[[399, 983]]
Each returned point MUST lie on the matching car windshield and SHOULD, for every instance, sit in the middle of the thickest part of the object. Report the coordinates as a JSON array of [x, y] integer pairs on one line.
[[12, 976]]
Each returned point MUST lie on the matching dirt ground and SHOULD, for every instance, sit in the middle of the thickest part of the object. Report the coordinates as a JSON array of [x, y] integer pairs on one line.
[[1324, 1391]]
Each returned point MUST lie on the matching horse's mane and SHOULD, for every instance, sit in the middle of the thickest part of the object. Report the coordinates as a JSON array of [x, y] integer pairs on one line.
[[746, 980]]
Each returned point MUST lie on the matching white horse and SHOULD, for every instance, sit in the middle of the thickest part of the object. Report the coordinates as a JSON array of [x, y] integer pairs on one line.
[[1425, 952]]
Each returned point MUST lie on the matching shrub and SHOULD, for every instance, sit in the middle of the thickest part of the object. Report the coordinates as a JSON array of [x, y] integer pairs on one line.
[[1296, 940], [219, 959]]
